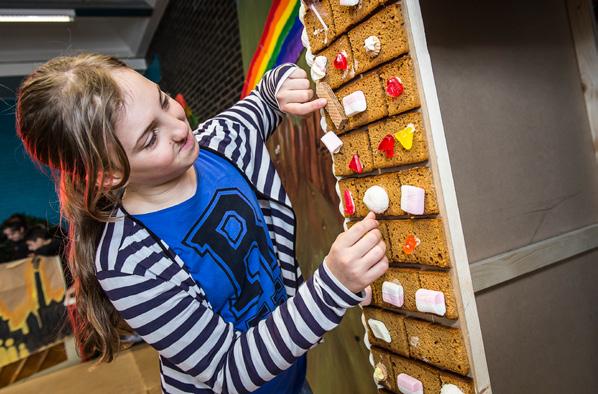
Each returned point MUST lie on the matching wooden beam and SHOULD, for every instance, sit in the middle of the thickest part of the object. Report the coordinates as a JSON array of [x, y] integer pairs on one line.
[[501, 268], [447, 197], [583, 27]]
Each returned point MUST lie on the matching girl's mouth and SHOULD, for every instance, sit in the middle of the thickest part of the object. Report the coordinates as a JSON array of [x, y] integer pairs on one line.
[[188, 143]]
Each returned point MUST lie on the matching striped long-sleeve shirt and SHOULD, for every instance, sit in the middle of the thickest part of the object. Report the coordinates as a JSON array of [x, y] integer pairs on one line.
[[149, 285]]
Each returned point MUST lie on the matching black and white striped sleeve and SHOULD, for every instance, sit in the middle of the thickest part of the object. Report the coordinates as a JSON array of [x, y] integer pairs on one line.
[[200, 343], [259, 111]]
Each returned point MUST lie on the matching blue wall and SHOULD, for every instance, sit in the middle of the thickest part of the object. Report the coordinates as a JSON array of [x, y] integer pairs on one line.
[[23, 186]]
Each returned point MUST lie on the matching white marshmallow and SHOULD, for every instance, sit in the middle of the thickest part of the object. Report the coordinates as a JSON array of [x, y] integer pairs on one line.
[[412, 199], [450, 389], [318, 68], [376, 199], [332, 142], [379, 330], [430, 301], [349, 3], [354, 103]]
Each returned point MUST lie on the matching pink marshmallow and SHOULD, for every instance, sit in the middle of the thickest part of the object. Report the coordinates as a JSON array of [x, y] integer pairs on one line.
[[409, 385], [368, 297], [430, 301], [412, 199], [332, 142], [392, 293]]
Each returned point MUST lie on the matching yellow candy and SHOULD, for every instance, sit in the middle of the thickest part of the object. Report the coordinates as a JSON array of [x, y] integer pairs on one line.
[[405, 136]]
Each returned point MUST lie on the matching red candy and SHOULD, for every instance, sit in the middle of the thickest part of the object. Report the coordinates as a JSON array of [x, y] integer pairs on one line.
[[387, 145], [349, 204], [340, 61], [394, 87], [355, 164], [410, 244]]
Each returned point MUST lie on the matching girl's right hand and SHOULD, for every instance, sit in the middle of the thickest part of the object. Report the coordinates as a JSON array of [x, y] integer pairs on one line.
[[358, 256]]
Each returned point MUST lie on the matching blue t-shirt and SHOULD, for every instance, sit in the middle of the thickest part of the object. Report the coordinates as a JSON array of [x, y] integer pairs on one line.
[[222, 237]]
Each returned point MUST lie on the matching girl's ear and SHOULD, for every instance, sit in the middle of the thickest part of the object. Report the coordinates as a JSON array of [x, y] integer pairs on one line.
[[109, 181]]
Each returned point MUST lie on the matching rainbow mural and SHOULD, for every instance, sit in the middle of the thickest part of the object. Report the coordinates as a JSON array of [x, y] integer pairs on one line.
[[280, 42]]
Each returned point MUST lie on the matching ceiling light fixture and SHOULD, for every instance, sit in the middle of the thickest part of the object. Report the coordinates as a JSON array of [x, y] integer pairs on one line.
[[36, 15]]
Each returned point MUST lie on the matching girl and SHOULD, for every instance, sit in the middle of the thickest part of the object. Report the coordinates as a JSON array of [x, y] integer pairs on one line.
[[188, 236]]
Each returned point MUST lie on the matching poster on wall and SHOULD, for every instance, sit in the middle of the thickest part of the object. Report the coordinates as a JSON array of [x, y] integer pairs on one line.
[[32, 312]]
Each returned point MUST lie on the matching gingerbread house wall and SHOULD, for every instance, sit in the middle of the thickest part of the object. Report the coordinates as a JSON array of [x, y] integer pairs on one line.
[[524, 171]]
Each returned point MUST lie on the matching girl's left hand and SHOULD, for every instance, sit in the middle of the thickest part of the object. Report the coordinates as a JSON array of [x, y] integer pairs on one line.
[[295, 94]]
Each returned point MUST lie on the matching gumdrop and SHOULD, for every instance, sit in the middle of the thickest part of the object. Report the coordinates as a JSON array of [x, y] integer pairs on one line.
[[394, 87], [387, 145], [355, 164]]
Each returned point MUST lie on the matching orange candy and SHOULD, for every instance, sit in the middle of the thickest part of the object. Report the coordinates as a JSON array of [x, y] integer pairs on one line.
[[410, 244]]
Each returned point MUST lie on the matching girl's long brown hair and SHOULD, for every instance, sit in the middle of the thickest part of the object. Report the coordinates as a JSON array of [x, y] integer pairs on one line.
[[66, 112]]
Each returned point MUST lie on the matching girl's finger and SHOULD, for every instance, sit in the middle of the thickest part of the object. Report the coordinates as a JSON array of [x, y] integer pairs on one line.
[[296, 96], [357, 231], [373, 255], [368, 242], [376, 270], [298, 73], [296, 84], [304, 108]]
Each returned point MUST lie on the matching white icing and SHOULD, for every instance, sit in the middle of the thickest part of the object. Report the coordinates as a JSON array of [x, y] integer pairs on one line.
[[380, 373], [376, 199], [318, 68], [304, 38], [372, 46], [309, 57], [349, 3], [302, 13], [354, 103], [379, 330], [414, 341], [317, 14], [450, 389], [323, 124]]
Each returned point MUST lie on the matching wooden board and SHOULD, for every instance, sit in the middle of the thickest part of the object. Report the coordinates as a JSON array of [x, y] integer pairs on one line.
[[584, 37], [446, 195]]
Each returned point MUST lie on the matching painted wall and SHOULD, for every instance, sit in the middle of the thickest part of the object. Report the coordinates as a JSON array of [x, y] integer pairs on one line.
[[24, 188]]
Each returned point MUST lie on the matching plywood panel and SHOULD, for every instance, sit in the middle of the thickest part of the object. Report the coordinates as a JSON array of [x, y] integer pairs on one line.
[[540, 330], [515, 120]]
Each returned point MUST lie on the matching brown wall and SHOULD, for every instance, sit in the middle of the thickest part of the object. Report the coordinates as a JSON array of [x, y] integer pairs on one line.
[[524, 170]]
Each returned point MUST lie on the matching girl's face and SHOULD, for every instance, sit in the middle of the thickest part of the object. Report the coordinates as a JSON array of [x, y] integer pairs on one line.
[[154, 132]]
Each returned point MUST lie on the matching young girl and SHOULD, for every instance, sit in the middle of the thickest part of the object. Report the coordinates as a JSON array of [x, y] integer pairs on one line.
[[188, 235]]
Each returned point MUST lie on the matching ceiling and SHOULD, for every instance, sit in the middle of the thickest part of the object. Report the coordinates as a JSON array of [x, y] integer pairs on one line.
[[122, 28]]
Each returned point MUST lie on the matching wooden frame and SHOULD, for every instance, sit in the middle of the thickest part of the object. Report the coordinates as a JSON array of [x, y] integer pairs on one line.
[[501, 268], [584, 38], [447, 198]]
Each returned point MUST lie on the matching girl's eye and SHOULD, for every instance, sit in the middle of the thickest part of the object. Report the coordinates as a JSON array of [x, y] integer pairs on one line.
[[152, 140], [165, 101]]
